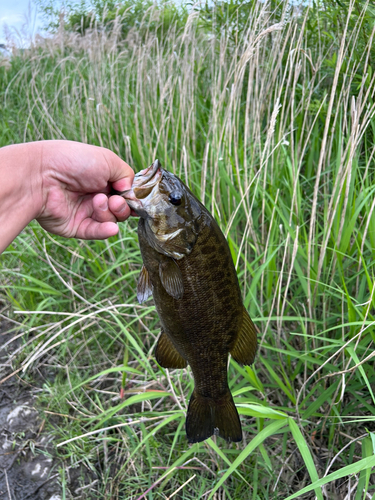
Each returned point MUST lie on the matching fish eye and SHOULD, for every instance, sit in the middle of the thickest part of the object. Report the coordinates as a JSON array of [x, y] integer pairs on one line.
[[175, 197]]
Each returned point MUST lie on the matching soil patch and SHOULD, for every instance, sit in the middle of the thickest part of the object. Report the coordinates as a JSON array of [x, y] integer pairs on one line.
[[28, 469]]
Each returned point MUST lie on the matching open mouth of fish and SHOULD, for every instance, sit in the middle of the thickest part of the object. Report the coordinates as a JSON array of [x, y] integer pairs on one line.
[[143, 184]]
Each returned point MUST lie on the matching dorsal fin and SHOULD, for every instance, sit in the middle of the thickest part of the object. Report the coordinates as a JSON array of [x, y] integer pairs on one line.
[[245, 346]]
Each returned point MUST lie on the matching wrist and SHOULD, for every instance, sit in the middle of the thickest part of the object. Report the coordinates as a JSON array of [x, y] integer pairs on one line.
[[20, 189]]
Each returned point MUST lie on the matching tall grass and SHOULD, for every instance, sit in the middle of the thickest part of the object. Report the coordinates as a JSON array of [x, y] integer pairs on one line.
[[273, 129]]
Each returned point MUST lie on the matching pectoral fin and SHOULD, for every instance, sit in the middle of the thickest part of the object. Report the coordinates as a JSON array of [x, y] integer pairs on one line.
[[167, 355], [245, 347], [171, 278], [144, 288]]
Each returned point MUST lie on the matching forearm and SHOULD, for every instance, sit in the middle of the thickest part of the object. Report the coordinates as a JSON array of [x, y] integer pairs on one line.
[[20, 189]]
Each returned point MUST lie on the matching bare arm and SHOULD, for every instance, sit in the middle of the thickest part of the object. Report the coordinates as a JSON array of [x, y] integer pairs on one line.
[[65, 186]]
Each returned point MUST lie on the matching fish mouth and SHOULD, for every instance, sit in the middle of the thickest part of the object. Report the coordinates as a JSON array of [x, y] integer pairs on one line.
[[143, 184]]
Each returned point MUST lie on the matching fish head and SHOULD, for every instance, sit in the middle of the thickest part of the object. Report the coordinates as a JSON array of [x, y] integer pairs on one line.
[[171, 212]]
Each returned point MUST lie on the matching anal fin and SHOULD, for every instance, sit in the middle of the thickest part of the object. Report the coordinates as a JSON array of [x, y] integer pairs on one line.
[[144, 287], [167, 355], [245, 346]]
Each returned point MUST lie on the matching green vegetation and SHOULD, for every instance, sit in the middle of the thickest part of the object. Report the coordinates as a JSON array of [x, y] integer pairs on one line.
[[269, 117]]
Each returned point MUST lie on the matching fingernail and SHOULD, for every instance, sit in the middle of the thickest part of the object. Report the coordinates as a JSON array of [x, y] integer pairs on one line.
[[123, 209], [104, 206]]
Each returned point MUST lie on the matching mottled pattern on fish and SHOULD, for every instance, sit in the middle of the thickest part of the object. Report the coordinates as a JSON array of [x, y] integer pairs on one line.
[[199, 303], [211, 303]]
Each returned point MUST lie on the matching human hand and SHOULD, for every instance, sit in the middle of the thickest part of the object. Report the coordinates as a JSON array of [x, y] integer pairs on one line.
[[76, 181]]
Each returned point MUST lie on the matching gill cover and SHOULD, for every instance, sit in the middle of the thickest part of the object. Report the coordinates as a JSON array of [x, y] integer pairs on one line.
[[171, 213]]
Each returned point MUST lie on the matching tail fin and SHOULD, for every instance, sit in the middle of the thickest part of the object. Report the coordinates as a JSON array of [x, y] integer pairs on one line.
[[207, 416]]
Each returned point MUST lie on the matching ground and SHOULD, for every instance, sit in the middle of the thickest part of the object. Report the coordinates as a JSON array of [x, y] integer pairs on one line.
[[29, 467]]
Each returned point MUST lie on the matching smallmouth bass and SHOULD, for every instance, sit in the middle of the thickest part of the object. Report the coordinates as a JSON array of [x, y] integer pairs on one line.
[[188, 268]]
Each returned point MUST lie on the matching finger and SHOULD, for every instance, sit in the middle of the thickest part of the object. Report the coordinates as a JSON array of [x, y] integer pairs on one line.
[[123, 184], [90, 229], [120, 173], [101, 211], [119, 208]]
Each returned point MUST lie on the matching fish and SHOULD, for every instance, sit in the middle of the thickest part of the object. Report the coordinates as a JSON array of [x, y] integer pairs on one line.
[[189, 271]]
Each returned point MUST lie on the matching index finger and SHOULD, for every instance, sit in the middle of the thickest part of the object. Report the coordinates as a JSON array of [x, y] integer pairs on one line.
[[121, 174], [124, 183]]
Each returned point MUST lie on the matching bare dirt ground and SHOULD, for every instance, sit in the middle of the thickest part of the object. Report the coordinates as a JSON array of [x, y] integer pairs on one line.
[[29, 467]]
